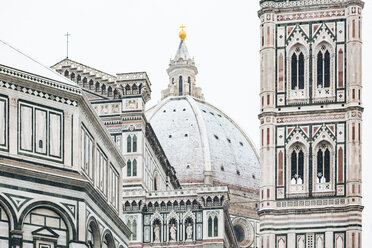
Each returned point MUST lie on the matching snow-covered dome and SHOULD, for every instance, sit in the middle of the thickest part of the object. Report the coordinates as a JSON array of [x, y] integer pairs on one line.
[[200, 140]]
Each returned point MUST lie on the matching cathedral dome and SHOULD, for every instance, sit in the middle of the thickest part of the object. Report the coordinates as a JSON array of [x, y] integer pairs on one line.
[[200, 140]]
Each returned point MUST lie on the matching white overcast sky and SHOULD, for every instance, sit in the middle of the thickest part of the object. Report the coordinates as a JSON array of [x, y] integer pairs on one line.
[[139, 35]]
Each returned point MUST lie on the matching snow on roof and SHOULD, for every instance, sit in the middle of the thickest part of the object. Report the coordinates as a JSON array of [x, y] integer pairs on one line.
[[12, 57], [232, 156]]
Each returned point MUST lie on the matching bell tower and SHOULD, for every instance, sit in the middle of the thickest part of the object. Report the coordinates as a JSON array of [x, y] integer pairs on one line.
[[311, 123], [182, 72]]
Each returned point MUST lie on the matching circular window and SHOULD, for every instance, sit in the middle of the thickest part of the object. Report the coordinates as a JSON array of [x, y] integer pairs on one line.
[[239, 233]]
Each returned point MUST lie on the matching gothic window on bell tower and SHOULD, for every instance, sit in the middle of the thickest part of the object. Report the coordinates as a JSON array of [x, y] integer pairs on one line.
[[298, 69], [297, 78], [297, 176], [323, 69], [323, 174], [297, 166]]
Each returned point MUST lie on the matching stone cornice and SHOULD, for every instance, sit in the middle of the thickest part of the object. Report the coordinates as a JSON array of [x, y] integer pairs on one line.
[[274, 6]]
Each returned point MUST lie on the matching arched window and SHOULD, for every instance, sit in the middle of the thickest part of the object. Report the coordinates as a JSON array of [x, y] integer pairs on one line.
[[210, 224], [323, 165], [116, 94], [103, 89], [93, 236], [127, 89], [134, 89], [189, 82], [215, 223], [155, 183], [323, 68], [97, 86], [91, 83], [298, 70], [129, 144], [85, 81], [134, 167], [72, 76], [180, 86], [297, 166], [134, 143], [78, 79], [129, 168], [66, 73], [134, 230], [109, 91]]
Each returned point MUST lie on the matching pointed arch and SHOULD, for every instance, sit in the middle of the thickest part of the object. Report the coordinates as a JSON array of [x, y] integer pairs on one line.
[[134, 143], [129, 168], [97, 86], [134, 168], [210, 224], [129, 143], [215, 226], [91, 84]]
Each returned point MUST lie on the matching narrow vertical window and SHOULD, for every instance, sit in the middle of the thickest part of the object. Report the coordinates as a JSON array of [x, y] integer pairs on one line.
[[340, 167], [340, 68], [134, 230], [323, 165], [180, 86], [134, 143], [353, 92], [280, 169], [353, 132], [268, 136], [268, 36], [268, 193], [359, 133], [134, 167], [262, 37], [189, 82], [268, 99], [281, 72], [294, 72], [320, 70], [327, 69], [359, 240], [210, 227], [301, 71], [353, 28], [359, 95], [129, 144], [353, 240], [297, 166], [215, 223], [262, 101], [129, 168], [262, 137]]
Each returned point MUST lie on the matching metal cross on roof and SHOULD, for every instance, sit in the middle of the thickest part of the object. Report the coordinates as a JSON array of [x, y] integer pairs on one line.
[[67, 35], [182, 26]]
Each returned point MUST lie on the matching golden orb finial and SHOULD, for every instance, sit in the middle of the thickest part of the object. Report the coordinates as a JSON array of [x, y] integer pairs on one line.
[[182, 33]]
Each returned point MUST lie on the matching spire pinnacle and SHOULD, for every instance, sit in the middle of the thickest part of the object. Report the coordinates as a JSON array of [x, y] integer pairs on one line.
[[182, 33]]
